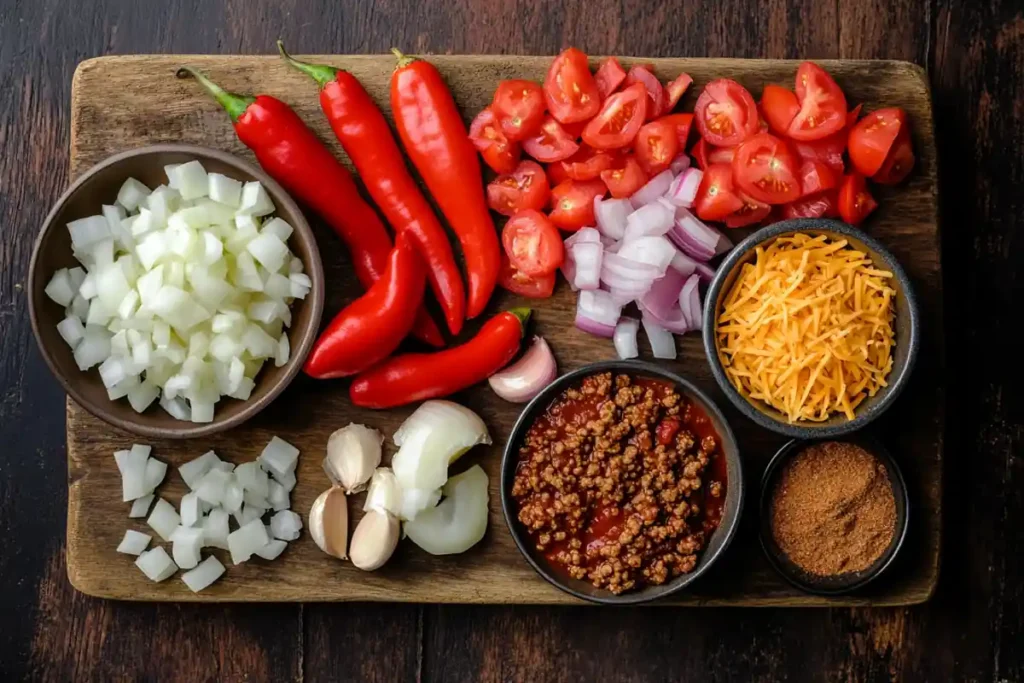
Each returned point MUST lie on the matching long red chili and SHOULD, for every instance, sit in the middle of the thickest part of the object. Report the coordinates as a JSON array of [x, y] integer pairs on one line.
[[372, 326], [290, 152], [435, 138], [418, 376], [364, 133]]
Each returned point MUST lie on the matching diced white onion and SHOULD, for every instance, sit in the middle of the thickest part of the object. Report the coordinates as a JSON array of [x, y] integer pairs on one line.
[[246, 540], [140, 508], [156, 564], [164, 519], [134, 542], [286, 525], [205, 574]]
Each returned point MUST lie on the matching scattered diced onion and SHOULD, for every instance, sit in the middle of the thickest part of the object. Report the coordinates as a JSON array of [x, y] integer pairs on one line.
[[207, 572], [625, 338]]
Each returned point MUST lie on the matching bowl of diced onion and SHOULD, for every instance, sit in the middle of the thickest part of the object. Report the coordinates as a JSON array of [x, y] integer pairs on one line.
[[175, 290]]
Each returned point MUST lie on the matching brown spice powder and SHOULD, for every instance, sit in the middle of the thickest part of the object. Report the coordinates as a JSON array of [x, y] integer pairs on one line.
[[833, 509]]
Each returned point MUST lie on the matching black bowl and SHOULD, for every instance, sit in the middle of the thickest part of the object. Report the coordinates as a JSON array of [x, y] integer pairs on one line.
[[843, 583], [906, 322], [733, 493]]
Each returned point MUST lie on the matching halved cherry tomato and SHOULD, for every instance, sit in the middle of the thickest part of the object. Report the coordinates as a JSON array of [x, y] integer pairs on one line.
[[716, 196], [762, 125], [706, 154], [822, 104], [656, 146], [750, 213], [619, 120], [519, 106], [855, 202], [853, 115], [726, 114], [556, 173], [812, 206], [816, 176], [575, 129], [827, 150], [539, 287], [552, 143], [682, 124], [572, 203], [498, 152], [675, 90], [873, 137], [532, 243], [569, 88], [625, 181], [766, 169], [609, 76], [587, 163], [524, 188], [655, 92], [899, 161], [779, 107]]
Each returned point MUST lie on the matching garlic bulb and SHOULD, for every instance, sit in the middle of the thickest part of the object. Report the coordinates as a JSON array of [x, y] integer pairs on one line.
[[352, 454], [328, 522], [384, 494], [374, 540]]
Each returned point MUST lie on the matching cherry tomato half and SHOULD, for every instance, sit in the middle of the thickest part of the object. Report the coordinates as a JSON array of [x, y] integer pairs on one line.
[[625, 181], [899, 162], [539, 287], [675, 90], [872, 138], [852, 116], [619, 120], [656, 146], [609, 76], [855, 202], [816, 176], [655, 92], [557, 173], [587, 163], [532, 243], [716, 196], [812, 206], [706, 154], [551, 143], [572, 203], [822, 104], [569, 89], [766, 169], [498, 152], [750, 213], [524, 188], [726, 114], [779, 107], [827, 150], [682, 123], [519, 106]]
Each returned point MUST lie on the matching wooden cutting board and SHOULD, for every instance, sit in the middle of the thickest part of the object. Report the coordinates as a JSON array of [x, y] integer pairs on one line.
[[123, 102]]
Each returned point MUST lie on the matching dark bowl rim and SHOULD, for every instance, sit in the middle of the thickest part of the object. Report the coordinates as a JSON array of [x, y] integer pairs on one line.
[[898, 377], [730, 524], [298, 355], [900, 491]]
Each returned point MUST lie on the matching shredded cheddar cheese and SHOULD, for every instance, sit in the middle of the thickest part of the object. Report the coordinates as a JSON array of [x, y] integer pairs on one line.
[[807, 327]]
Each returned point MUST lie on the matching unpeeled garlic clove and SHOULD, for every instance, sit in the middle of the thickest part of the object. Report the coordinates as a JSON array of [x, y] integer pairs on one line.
[[353, 452], [328, 522], [374, 540]]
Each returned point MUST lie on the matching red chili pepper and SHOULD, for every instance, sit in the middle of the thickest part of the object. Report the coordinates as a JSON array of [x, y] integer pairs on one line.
[[364, 133], [418, 376], [435, 138], [290, 152], [372, 326]]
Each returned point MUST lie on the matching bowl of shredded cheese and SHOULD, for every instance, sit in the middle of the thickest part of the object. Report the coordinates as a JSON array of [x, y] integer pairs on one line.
[[811, 328]]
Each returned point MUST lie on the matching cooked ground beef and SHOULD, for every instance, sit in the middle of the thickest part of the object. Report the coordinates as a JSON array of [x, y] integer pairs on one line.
[[611, 482]]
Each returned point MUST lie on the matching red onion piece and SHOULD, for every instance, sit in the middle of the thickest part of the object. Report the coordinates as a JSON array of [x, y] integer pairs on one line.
[[524, 379], [627, 269], [662, 342], [656, 251], [597, 313], [611, 216], [650, 220], [680, 164], [587, 258], [625, 338], [686, 299], [582, 235], [683, 263], [706, 272], [674, 322], [656, 187], [683, 190], [689, 245], [695, 307], [663, 296]]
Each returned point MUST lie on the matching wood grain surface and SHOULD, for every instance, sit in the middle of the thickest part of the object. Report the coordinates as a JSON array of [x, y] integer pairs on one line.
[[974, 55], [123, 102]]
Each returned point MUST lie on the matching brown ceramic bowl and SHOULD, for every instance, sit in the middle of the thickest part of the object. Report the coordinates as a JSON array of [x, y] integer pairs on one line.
[[99, 185]]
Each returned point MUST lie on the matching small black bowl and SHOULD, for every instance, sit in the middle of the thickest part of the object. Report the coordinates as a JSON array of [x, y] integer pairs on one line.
[[906, 323], [843, 583], [719, 540]]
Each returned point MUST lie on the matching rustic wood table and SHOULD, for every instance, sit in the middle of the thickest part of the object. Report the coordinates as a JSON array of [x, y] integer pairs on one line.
[[970, 630]]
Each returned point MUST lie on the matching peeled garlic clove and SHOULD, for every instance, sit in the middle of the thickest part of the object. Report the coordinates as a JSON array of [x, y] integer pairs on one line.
[[352, 454], [328, 522], [374, 540], [384, 494]]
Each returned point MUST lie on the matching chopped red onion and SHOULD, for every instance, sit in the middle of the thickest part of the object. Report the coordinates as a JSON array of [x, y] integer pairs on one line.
[[696, 227], [674, 322], [663, 296], [568, 269], [656, 251], [595, 328], [706, 272], [625, 337], [587, 262], [623, 268], [597, 313], [611, 216], [724, 243], [686, 298], [656, 187], [680, 164], [650, 220], [683, 263], [582, 235], [662, 342], [683, 190], [689, 245]]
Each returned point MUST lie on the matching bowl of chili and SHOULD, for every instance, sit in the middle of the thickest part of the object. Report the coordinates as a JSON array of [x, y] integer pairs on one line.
[[621, 483]]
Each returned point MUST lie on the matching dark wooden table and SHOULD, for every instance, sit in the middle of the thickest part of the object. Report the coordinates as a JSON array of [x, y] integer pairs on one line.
[[971, 630]]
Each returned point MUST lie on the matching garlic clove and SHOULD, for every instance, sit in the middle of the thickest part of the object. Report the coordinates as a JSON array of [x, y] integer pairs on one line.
[[353, 452], [328, 522], [374, 540], [384, 494]]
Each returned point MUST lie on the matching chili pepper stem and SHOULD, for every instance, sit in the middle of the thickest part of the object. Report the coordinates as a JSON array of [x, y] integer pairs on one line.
[[403, 59], [321, 73], [234, 104], [523, 314]]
